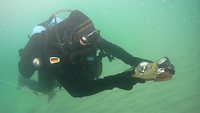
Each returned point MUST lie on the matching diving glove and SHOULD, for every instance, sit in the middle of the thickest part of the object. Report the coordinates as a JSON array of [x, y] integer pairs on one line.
[[123, 80]]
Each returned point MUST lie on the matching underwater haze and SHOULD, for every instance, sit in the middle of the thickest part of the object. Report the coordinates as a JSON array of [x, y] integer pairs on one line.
[[148, 29]]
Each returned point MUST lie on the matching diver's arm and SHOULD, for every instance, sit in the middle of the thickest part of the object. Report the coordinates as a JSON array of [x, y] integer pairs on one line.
[[121, 54], [79, 87], [31, 51], [25, 68]]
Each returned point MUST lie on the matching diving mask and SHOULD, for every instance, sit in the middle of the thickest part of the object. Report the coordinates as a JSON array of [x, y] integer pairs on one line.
[[90, 37], [160, 71]]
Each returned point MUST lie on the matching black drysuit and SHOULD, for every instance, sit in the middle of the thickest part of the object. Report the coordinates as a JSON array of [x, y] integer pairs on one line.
[[79, 80]]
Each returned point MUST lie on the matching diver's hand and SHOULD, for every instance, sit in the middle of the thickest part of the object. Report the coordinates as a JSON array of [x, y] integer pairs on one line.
[[124, 80]]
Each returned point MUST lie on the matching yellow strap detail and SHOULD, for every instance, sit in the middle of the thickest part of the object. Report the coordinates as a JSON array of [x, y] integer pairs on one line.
[[81, 24], [84, 28]]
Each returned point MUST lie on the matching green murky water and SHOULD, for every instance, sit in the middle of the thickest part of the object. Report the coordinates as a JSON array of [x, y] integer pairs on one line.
[[148, 29]]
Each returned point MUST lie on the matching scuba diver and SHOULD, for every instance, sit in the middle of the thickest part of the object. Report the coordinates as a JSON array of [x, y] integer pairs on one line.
[[68, 53]]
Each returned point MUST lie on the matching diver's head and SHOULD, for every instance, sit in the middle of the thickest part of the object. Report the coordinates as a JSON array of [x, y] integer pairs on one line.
[[89, 38], [81, 29]]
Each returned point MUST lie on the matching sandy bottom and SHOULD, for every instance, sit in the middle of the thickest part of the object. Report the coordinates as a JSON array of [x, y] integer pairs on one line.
[[179, 95]]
